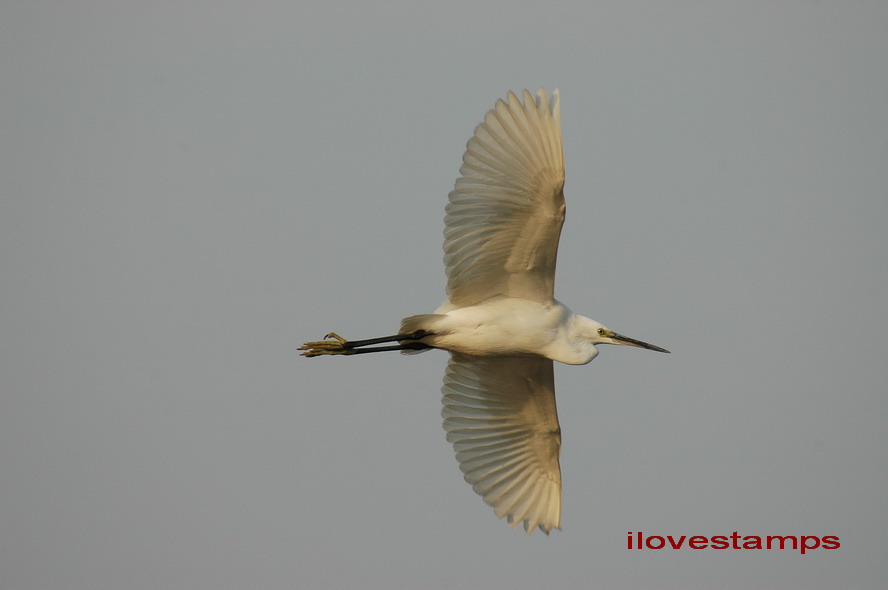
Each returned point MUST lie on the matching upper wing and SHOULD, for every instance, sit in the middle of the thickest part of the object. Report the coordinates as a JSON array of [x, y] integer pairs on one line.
[[499, 413], [506, 210]]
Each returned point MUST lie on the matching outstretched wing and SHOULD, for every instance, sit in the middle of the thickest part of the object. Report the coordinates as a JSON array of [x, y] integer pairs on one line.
[[505, 213], [499, 413]]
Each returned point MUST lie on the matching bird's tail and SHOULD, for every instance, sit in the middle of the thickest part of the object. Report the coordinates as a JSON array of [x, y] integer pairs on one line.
[[413, 323]]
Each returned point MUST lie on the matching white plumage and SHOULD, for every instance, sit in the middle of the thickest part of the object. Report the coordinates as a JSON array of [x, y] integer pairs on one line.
[[506, 210], [501, 321], [499, 413]]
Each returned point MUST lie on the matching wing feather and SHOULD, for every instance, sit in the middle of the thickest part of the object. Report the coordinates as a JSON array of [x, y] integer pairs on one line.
[[499, 414], [504, 216]]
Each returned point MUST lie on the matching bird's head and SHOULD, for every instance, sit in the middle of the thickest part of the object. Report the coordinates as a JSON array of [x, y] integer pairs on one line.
[[598, 334]]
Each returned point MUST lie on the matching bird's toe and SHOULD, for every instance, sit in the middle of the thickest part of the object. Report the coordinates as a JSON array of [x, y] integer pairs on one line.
[[338, 345]]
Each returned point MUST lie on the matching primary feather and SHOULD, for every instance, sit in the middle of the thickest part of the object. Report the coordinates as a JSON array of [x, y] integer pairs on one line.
[[499, 413], [506, 210]]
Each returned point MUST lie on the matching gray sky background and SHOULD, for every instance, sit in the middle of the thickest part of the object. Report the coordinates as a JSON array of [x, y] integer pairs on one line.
[[191, 190]]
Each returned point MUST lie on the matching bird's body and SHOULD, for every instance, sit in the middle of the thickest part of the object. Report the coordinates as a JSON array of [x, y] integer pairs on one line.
[[503, 326], [501, 321]]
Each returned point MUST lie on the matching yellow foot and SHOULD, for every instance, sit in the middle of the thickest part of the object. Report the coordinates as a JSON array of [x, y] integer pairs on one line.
[[327, 346]]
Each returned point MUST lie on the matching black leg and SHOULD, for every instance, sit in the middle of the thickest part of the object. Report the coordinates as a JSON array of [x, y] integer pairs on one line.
[[418, 335], [405, 346]]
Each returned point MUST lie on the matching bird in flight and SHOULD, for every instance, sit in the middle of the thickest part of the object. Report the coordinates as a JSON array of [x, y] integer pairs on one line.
[[501, 321]]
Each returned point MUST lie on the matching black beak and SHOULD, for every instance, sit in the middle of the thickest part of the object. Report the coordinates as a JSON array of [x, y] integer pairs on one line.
[[620, 339]]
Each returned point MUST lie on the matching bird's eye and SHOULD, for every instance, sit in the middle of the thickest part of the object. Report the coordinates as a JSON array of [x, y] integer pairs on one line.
[[601, 331]]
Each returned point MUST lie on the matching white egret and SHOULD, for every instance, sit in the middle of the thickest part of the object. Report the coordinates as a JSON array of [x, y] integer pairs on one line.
[[501, 322]]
